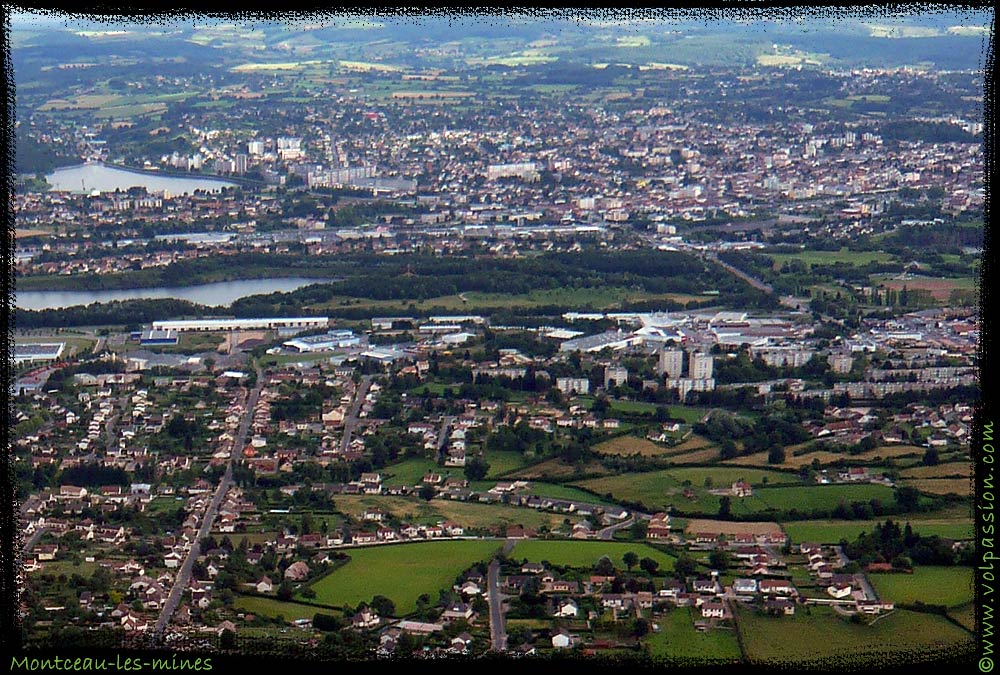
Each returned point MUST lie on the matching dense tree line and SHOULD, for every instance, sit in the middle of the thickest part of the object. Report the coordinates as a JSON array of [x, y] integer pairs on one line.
[[129, 313], [903, 547]]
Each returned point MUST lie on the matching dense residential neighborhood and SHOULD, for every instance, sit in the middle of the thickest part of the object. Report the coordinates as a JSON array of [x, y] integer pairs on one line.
[[644, 340]]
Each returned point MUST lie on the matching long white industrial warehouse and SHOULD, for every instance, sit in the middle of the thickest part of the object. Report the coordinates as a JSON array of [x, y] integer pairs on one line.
[[303, 322]]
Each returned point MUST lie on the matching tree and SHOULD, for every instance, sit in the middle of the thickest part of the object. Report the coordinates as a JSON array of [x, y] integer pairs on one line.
[[776, 455], [727, 449], [685, 566], [931, 457], [649, 566], [327, 622], [725, 506], [476, 469], [601, 406], [228, 639], [719, 560], [285, 591], [604, 566], [426, 492], [383, 606], [631, 559], [908, 499]]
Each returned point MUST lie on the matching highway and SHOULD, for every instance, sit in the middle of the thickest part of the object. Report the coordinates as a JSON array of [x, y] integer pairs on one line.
[[184, 572]]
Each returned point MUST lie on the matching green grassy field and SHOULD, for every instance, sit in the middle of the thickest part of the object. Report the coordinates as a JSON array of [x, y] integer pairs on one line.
[[466, 514], [412, 471], [948, 586], [658, 489], [586, 553], [400, 572], [965, 615], [275, 608], [724, 476], [632, 408], [823, 634], [811, 258], [564, 492], [435, 388], [678, 639], [504, 462], [831, 531], [630, 445], [823, 496], [689, 414], [600, 298]]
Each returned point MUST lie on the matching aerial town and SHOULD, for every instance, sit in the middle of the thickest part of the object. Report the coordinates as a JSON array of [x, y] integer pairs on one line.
[[498, 345]]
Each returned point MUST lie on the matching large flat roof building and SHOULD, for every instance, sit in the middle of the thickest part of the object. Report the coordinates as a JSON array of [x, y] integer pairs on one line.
[[334, 339], [34, 353], [301, 322]]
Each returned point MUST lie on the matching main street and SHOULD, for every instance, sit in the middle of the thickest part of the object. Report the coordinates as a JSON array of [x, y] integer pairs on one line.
[[184, 573], [498, 631], [352, 416], [442, 437]]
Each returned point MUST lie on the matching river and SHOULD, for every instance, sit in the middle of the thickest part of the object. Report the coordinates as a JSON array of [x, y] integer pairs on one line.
[[220, 294], [104, 178]]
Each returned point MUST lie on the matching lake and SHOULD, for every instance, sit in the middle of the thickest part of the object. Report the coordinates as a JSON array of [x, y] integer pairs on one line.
[[104, 178], [219, 294]]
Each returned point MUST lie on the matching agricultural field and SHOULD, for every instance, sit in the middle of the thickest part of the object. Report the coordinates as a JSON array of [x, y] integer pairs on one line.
[[939, 288], [941, 486], [586, 553], [630, 445], [706, 455], [727, 527], [810, 258], [949, 470], [678, 639], [504, 462], [965, 615], [556, 469], [723, 477], [822, 496], [274, 608], [827, 457], [948, 586], [694, 442], [555, 491], [400, 572], [659, 489], [822, 634], [466, 514], [832, 531]]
